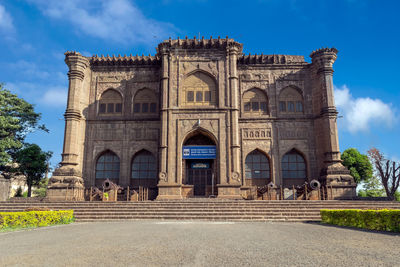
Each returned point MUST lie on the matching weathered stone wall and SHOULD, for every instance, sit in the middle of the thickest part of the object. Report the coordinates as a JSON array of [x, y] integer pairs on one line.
[[4, 189]]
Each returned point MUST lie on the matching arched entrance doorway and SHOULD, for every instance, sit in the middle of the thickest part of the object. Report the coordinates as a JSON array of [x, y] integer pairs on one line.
[[200, 164]]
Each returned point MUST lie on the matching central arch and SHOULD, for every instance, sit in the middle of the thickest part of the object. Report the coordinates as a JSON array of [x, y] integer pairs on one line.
[[199, 163]]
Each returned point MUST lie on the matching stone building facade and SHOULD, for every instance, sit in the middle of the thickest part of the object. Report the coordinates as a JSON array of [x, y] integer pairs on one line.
[[257, 119]]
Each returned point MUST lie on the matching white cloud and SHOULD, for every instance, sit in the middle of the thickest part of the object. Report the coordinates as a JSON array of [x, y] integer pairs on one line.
[[40, 94], [117, 20], [29, 69], [362, 113], [56, 97], [6, 23]]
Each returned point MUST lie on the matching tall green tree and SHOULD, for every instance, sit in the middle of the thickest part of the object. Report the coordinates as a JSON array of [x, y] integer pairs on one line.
[[358, 164], [17, 119], [32, 162]]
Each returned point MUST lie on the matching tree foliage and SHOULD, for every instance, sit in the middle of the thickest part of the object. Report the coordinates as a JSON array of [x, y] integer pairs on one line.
[[387, 170], [358, 164], [17, 119], [33, 164]]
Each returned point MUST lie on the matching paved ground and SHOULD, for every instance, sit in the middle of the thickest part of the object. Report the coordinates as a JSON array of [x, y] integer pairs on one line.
[[149, 243]]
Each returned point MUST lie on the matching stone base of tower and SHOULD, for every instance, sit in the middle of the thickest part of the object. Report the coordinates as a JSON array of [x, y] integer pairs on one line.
[[169, 192], [340, 184], [229, 191], [65, 185]]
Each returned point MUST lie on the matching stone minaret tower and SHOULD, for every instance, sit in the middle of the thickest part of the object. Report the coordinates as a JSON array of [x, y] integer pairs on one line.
[[69, 175], [333, 173]]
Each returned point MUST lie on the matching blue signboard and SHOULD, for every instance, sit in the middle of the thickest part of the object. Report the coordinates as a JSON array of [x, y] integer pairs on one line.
[[199, 152], [200, 165]]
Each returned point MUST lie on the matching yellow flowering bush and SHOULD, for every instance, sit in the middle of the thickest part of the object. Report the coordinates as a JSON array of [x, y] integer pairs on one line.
[[35, 218], [381, 220]]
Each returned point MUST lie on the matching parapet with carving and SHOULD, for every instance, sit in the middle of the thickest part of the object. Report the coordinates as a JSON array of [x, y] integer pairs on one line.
[[211, 43], [124, 60], [324, 58], [270, 59], [323, 51]]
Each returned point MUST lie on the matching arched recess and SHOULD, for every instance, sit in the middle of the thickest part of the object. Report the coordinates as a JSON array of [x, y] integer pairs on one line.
[[257, 168], [144, 172], [200, 173], [145, 103], [199, 89], [110, 103], [294, 168], [107, 167], [291, 100], [255, 102]]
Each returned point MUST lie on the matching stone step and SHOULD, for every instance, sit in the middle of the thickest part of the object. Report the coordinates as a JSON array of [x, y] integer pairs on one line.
[[78, 214], [235, 206], [174, 217], [219, 209]]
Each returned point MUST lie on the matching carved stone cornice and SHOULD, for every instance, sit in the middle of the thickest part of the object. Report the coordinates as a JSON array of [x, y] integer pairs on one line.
[[71, 114], [124, 60], [329, 112], [76, 64], [76, 74], [223, 44], [323, 59], [271, 59]]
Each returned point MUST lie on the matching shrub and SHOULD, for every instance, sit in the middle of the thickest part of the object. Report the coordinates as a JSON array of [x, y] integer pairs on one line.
[[381, 220], [35, 218], [18, 192]]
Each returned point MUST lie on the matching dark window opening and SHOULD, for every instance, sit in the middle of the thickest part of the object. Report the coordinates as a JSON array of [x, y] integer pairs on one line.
[[190, 96], [102, 108], [110, 108]]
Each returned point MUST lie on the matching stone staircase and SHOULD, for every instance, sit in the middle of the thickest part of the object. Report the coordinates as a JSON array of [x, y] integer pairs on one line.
[[201, 209]]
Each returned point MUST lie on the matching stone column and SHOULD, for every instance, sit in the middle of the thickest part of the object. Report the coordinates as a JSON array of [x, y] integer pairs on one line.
[[232, 189], [167, 188], [333, 172], [69, 176]]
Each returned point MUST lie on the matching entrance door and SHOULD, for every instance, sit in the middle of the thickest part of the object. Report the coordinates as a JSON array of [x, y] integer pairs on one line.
[[201, 180]]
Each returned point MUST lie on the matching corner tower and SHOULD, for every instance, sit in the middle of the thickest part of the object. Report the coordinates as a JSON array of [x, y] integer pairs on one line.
[[333, 173]]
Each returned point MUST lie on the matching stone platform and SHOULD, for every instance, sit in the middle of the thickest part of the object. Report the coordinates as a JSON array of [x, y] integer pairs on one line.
[[201, 209]]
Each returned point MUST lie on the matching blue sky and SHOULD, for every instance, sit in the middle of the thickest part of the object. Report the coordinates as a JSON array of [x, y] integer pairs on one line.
[[36, 33]]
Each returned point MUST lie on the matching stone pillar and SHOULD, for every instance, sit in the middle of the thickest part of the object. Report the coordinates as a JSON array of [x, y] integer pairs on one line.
[[232, 189], [167, 188], [333, 173], [68, 177]]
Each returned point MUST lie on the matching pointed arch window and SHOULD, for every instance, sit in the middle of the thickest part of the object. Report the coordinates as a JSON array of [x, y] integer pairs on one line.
[[255, 102], [144, 166], [107, 166], [293, 166], [110, 103], [199, 89], [291, 101], [145, 102], [257, 166]]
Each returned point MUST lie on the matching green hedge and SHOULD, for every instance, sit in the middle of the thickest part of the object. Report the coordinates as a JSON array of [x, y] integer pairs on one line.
[[35, 218], [382, 220]]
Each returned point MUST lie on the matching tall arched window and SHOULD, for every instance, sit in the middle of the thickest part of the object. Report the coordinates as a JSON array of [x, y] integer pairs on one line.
[[199, 89], [257, 166], [107, 166], [110, 103], [144, 166], [291, 101], [145, 102], [255, 102], [293, 166]]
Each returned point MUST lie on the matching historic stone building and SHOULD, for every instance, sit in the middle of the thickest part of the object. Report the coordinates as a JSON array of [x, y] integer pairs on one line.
[[200, 118]]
